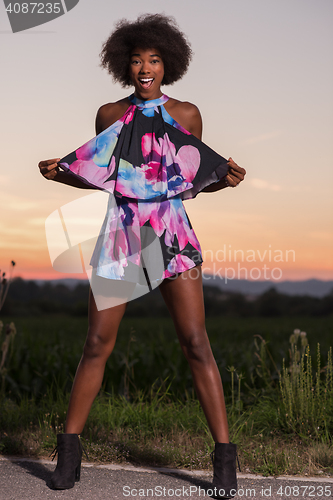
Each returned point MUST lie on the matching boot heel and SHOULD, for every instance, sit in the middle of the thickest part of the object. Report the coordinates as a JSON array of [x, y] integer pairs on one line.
[[224, 463], [78, 472], [68, 467]]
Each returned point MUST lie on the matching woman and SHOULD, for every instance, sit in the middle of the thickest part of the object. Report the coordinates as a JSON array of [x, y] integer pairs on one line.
[[148, 154]]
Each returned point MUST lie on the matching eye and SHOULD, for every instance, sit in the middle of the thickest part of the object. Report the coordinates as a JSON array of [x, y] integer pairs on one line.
[[135, 61], [155, 61]]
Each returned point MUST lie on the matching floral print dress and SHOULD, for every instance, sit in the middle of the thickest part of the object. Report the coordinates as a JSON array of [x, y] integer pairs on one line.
[[148, 163]]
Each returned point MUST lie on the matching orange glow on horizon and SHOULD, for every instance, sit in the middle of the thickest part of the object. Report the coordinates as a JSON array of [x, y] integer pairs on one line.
[[254, 273], [262, 264]]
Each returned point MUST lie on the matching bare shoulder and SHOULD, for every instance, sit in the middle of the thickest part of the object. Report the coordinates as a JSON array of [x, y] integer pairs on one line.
[[186, 114], [182, 108], [109, 113]]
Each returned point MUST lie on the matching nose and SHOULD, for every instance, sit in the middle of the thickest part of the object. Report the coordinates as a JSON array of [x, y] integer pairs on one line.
[[144, 67]]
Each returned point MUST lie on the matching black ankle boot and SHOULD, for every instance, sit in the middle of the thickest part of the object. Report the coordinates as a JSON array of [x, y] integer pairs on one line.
[[68, 468], [224, 463]]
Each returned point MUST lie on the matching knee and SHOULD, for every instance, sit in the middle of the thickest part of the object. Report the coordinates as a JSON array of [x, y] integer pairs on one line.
[[197, 347], [97, 346]]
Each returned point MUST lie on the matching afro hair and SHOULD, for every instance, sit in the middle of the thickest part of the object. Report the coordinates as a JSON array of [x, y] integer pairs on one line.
[[148, 31]]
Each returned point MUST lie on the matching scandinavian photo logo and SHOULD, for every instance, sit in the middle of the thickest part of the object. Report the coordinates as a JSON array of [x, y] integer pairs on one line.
[[75, 241], [24, 15]]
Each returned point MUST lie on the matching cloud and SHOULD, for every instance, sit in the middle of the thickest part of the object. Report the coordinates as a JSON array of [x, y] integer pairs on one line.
[[262, 184], [321, 235], [4, 180], [14, 202], [262, 137], [37, 221], [270, 186]]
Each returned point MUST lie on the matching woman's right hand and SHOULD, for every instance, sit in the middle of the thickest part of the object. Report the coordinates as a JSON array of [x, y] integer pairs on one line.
[[49, 168]]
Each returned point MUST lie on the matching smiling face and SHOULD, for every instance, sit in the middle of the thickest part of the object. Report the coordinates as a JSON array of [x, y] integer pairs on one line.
[[146, 71]]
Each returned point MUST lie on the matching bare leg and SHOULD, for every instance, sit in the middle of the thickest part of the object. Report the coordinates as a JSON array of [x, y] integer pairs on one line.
[[184, 299], [101, 338]]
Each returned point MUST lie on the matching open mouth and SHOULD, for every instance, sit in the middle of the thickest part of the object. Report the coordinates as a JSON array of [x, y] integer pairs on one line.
[[146, 82]]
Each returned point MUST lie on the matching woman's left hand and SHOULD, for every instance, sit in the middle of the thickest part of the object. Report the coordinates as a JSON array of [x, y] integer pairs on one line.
[[235, 174]]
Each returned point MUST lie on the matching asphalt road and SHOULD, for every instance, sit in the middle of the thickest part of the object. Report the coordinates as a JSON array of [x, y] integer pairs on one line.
[[25, 479]]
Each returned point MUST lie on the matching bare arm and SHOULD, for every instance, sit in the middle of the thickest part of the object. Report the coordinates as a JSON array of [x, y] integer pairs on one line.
[[235, 175], [50, 170], [188, 116]]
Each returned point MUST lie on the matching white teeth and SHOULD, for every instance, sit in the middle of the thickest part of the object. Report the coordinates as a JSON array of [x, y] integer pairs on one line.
[[146, 79]]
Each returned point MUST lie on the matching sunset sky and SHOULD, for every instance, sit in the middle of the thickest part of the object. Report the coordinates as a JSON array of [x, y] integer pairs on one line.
[[262, 77]]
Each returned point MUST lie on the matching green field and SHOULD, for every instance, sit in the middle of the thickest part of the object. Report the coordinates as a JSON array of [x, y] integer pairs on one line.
[[147, 411], [46, 351]]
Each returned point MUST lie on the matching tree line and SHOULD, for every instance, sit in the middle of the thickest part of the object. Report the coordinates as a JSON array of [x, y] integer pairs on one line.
[[28, 298]]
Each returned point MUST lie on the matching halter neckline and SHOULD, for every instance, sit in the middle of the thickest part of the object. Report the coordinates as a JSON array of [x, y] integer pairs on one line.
[[141, 104]]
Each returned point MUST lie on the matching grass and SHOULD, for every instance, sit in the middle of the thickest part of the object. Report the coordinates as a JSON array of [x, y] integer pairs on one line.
[[153, 432], [279, 402], [307, 404], [48, 349]]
